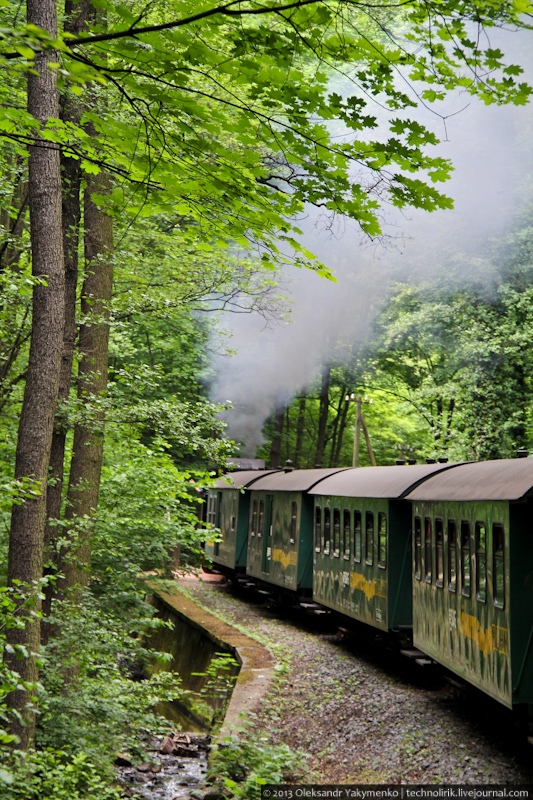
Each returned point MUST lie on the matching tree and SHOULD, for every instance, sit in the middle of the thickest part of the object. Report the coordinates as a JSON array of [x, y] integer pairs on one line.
[[42, 378]]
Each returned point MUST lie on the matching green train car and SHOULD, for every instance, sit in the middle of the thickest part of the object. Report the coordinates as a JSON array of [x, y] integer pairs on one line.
[[472, 562], [228, 504], [280, 550], [362, 543]]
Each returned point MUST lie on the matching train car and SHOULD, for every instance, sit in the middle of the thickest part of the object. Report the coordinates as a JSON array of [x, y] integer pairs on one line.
[[280, 537], [228, 505], [472, 562], [362, 542]]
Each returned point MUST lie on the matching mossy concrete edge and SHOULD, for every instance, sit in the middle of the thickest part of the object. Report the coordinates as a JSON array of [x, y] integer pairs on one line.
[[257, 662]]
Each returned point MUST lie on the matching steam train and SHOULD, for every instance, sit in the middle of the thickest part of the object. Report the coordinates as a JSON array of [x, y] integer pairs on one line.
[[443, 549]]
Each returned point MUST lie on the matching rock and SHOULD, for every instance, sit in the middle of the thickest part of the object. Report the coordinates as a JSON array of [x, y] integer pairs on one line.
[[146, 767], [167, 746], [185, 752], [123, 760]]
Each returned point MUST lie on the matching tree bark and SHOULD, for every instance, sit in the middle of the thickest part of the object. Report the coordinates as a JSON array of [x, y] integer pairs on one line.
[[323, 415], [76, 17], [42, 379], [13, 217], [340, 436], [88, 446], [275, 447], [300, 431], [338, 415]]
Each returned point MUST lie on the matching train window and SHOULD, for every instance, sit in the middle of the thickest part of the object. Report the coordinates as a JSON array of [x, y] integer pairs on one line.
[[254, 517], [233, 516], [382, 540], [418, 548], [357, 536], [294, 517], [346, 519], [439, 552], [498, 565], [452, 555], [481, 562], [336, 532], [217, 513], [218, 509], [369, 537], [318, 528], [465, 558], [211, 511], [428, 551], [261, 518], [327, 531]]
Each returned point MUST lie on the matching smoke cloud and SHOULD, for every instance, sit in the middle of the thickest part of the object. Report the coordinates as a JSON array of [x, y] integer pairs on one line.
[[488, 147]]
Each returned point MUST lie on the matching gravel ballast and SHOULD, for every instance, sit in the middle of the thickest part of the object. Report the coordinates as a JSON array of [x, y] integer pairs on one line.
[[363, 715]]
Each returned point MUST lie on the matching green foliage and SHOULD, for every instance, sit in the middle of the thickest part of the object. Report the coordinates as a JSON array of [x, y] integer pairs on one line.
[[224, 115], [56, 775], [18, 608], [148, 509], [214, 695], [246, 764], [103, 711]]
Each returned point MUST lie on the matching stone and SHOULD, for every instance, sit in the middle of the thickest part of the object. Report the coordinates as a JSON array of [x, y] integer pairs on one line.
[[167, 746]]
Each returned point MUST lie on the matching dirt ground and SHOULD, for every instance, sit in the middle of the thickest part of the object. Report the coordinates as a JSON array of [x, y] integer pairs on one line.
[[364, 715]]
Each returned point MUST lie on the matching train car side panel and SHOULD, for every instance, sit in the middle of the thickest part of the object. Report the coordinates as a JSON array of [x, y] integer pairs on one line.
[[461, 608], [350, 561], [400, 592], [520, 590], [228, 511], [279, 539]]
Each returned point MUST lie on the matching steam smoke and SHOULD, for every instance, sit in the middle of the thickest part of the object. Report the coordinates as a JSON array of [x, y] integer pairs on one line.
[[488, 148]]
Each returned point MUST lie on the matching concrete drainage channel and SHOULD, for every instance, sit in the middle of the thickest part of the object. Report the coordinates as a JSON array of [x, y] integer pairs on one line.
[[196, 638]]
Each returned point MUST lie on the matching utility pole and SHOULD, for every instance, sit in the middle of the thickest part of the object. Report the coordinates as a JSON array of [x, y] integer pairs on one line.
[[357, 432], [360, 423]]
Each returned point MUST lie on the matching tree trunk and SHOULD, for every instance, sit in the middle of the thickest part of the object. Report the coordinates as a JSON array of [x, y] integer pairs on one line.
[[287, 432], [449, 417], [275, 447], [338, 415], [323, 415], [42, 379], [88, 446], [300, 431], [76, 19], [13, 217], [340, 436]]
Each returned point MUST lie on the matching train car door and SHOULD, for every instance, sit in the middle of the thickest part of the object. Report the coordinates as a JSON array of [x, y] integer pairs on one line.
[[267, 540]]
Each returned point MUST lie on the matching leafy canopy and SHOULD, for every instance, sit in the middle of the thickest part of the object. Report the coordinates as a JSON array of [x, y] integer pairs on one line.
[[226, 113]]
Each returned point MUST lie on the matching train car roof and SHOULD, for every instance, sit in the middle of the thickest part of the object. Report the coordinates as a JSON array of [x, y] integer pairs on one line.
[[505, 479], [239, 480], [381, 482], [297, 480]]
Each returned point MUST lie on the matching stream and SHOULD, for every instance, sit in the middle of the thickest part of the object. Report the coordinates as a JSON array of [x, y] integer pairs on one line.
[[177, 764], [168, 777]]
